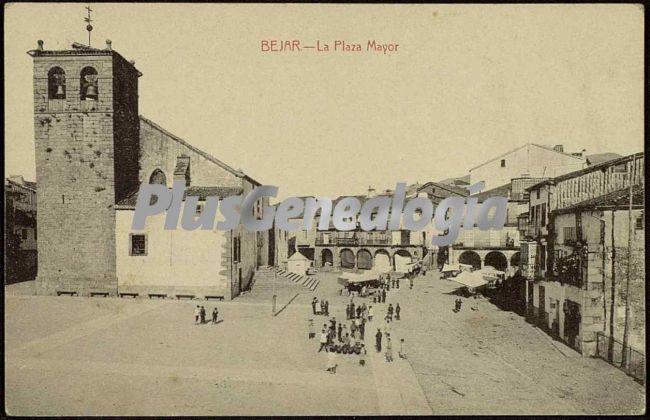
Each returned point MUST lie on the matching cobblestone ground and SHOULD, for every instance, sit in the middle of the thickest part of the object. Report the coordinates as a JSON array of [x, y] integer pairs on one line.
[[81, 356]]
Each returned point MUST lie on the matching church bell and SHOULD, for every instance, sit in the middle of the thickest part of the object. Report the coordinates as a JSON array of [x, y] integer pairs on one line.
[[59, 90], [91, 92]]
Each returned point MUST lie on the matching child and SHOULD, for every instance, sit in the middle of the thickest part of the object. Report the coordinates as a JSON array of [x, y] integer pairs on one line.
[[362, 355]]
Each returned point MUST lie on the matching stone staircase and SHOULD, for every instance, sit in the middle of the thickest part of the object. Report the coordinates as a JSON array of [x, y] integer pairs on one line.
[[266, 276], [310, 282]]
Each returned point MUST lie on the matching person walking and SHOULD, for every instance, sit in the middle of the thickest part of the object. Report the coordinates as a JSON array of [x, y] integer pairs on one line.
[[383, 296], [390, 311], [397, 311], [314, 301], [202, 315], [378, 340], [402, 349], [362, 329], [331, 361], [215, 315], [312, 334], [389, 350], [362, 355], [323, 341], [197, 314], [397, 282]]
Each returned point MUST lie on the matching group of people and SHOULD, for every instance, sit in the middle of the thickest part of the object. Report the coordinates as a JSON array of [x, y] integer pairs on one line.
[[324, 307], [389, 345], [359, 311], [199, 315]]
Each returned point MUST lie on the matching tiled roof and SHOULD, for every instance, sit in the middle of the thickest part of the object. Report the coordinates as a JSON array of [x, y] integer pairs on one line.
[[500, 191], [618, 199], [601, 158], [201, 192]]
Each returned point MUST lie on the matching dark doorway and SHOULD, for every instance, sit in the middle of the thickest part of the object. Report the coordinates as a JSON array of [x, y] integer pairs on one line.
[[326, 258], [572, 320]]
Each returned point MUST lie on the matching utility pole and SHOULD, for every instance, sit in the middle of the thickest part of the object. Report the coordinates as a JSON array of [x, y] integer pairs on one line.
[[275, 271], [612, 308], [626, 328]]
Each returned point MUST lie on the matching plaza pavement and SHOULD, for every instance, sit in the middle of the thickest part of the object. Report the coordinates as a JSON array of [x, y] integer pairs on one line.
[[103, 356]]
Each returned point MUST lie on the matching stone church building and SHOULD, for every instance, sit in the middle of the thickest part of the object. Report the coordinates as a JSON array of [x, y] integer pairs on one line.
[[93, 150]]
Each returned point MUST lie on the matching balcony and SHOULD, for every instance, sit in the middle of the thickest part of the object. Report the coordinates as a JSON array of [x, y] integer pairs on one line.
[[570, 269]]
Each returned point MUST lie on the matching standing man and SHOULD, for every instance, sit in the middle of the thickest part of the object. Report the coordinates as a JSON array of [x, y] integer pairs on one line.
[[202, 315], [314, 301], [215, 314], [323, 341], [397, 311], [197, 314], [378, 340], [383, 296]]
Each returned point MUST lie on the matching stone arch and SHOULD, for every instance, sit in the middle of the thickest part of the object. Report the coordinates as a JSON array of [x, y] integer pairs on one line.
[[158, 177], [88, 84], [497, 260], [348, 260], [470, 258], [364, 259], [383, 261], [326, 256], [56, 83], [401, 257], [514, 260]]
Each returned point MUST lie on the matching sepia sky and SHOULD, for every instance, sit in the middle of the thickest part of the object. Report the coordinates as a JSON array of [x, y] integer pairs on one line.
[[466, 84]]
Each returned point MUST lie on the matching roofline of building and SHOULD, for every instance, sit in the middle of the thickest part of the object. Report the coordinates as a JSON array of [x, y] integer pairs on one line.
[[596, 167], [521, 147], [21, 186], [83, 50], [443, 186], [206, 155]]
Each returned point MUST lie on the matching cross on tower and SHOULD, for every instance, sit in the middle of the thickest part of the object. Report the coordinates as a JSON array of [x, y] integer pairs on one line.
[[89, 27]]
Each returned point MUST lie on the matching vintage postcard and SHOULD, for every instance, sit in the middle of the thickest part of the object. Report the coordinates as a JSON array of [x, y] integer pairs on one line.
[[324, 209]]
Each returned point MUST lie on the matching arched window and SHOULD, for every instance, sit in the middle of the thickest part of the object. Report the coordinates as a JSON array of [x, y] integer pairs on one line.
[[158, 177], [88, 83], [56, 83]]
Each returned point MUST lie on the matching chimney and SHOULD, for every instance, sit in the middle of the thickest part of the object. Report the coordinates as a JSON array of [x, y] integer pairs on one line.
[[109, 47], [558, 148], [40, 44]]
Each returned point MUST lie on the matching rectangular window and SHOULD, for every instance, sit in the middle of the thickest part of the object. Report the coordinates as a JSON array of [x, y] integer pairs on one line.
[[569, 234], [199, 208], [503, 163], [639, 222], [138, 245], [543, 215], [538, 194]]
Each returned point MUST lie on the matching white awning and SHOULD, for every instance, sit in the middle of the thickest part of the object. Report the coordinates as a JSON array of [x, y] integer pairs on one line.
[[470, 279], [361, 277]]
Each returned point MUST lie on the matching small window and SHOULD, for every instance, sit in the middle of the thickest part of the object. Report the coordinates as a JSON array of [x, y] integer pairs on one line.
[[639, 222], [56, 83], [569, 235], [138, 245], [503, 163], [89, 84], [199, 208], [158, 177]]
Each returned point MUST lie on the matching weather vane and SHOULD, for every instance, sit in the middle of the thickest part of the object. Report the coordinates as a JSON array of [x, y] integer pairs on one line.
[[89, 27]]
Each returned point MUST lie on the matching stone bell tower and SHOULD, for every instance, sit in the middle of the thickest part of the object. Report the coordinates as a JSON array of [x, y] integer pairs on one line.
[[86, 130]]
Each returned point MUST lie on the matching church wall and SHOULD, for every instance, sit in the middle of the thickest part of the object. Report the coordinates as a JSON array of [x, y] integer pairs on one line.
[[176, 261], [158, 150]]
